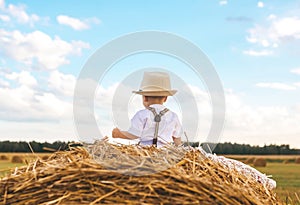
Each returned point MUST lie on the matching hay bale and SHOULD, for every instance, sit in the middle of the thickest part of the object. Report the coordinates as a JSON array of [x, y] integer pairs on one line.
[[297, 160], [74, 177], [249, 160], [259, 162], [286, 161], [4, 157], [17, 159]]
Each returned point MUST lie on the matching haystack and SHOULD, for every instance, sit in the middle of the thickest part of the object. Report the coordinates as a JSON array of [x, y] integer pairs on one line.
[[4, 157], [130, 175], [286, 161], [249, 160], [259, 162], [17, 159]]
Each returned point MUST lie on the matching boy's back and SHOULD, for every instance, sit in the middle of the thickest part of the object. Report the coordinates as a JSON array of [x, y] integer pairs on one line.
[[143, 125]]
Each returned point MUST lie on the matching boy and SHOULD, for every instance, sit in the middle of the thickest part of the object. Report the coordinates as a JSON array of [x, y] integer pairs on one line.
[[158, 131], [155, 125]]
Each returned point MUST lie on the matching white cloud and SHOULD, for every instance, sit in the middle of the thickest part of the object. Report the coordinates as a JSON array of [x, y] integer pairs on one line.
[[4, 18], [38, 131], [260, 124], [2, 4], [75, 23], [239, 116], [260, 4], [297, 84], [19, 13], [277, 86], [62, 83], [23, 78], [26, 102], [279, 31], [258, 53], [272, 17], [296, 71], [223, 2], [38, 49], [4, 83], [104, 96], [287, 27], [265, 43]]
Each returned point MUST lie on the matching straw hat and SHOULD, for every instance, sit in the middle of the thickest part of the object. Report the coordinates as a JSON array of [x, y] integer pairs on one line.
[[155, 84]]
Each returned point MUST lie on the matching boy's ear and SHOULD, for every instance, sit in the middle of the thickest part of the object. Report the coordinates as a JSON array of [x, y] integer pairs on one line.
[[145, 98], [165, 98]]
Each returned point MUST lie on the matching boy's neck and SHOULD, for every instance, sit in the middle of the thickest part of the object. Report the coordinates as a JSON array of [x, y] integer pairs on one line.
[[147, 101], [155, 103]]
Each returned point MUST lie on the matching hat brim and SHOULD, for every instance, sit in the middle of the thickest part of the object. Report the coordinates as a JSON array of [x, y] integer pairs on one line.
[[156, 93]]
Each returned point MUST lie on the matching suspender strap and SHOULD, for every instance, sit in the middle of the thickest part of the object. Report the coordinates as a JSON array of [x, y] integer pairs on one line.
[[157, 119]]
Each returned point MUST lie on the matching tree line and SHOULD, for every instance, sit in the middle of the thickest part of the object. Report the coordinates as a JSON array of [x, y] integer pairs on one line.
[[246, 149], [218, 148], [33, 146]]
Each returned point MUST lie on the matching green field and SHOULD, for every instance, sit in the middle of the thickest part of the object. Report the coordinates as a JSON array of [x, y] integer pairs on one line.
[[6, 166], [287, 176]]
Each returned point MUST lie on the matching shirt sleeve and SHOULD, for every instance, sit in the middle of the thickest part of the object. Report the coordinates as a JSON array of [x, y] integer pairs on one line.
[[137, 125], [178, 132]]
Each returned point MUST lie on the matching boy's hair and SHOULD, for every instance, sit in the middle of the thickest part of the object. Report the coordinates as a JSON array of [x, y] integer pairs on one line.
[[156, 97]]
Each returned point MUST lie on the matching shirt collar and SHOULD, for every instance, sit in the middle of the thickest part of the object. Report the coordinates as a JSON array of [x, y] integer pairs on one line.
[[157, 106]]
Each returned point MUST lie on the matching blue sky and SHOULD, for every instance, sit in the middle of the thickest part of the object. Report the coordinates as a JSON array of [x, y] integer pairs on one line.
[[254, 46]]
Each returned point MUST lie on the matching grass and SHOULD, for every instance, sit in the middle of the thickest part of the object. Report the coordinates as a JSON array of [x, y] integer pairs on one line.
[[6, 166], [287, 175]]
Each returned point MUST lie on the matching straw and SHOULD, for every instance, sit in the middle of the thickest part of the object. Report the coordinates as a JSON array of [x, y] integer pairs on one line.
[[130, 175]]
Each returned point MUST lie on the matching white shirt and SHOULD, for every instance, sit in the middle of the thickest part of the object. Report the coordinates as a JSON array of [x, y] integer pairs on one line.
[[143, 126]]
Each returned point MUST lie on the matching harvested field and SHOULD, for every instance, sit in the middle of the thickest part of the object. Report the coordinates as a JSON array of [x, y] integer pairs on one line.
[[262, 156], [140, 176], [25, 156]]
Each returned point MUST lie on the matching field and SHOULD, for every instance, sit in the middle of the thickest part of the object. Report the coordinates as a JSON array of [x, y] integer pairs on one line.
[[283, 170], [6, 165], [288, 180]]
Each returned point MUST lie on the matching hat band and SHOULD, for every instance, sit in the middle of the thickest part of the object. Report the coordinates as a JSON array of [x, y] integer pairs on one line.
[[154, 88]]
